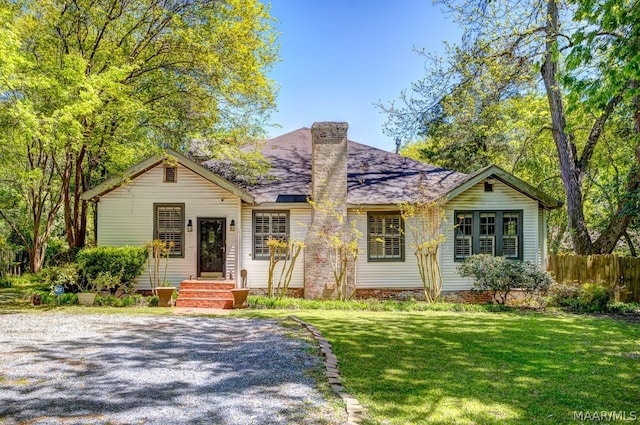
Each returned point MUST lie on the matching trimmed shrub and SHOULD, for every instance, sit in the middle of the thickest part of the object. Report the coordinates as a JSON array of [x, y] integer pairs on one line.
[[594, 297], [125, 262], [588, 297], [125, 301], [564, 295], [500, 276], [153, 301]]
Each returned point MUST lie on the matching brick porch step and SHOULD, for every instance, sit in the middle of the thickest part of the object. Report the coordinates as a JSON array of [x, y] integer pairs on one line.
[[208, 284], [204, 303], [222, 294], [206, 293]]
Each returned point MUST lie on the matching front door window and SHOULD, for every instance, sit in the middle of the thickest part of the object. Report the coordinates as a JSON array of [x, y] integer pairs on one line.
[[211, 235]]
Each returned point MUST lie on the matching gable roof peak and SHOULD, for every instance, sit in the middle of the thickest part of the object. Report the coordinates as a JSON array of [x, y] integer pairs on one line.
[[158, 158]]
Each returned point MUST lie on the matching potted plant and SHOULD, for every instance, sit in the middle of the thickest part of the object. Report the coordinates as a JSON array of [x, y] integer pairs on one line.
[[158, 250], [165, 294], [88, 290], [89, 287]]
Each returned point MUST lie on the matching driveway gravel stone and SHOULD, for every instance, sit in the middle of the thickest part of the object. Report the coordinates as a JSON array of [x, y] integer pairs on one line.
[[92, 369]]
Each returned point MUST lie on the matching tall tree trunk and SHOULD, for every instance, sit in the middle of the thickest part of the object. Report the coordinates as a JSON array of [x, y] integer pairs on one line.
[[75, 209], [629, 242], [629, 203], [570, 172]]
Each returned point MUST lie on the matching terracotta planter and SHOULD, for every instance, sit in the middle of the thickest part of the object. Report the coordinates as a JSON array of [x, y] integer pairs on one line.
[[164, 294], [239, 297], [86, 298]]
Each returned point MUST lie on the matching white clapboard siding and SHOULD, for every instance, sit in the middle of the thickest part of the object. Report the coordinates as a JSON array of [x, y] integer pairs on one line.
[[502, 197], [125, 217], [257, 270], [385, 274]]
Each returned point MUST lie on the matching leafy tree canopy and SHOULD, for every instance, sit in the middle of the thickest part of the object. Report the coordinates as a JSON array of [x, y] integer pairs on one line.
[[533, 74], [88, 87]]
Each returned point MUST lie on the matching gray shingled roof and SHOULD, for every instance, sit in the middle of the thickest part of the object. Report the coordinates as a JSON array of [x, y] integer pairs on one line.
[[375, 177]]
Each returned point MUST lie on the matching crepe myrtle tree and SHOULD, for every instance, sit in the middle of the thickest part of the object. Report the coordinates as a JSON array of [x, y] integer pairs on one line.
[[424, 221], [288, 251]]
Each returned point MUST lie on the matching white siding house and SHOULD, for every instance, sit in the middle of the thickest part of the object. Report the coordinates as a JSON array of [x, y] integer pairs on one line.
[[220, 227]]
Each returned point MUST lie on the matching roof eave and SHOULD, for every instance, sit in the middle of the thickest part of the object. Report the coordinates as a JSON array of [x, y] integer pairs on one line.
[[544, 200]]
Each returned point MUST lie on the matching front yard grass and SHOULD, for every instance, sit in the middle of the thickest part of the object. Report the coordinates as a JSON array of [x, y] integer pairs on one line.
[[460, 367], [482, 368]]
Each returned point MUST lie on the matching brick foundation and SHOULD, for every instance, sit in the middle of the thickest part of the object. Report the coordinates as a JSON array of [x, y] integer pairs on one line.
[[471, 297]]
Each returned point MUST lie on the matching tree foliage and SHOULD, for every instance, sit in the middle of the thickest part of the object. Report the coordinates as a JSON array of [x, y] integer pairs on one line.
[[92, 86], [582, 58]]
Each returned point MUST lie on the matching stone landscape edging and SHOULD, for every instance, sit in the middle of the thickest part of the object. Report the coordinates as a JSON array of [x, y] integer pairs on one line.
[[354, 409]]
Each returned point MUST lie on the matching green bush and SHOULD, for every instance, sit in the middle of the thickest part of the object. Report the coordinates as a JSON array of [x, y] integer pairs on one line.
[[5, 282], [500, 276], [564, 295], [67, 298], [112, 301], [588, 297], [126, 262], [65, 275], [153, 301], [624, 308], [594, 297]]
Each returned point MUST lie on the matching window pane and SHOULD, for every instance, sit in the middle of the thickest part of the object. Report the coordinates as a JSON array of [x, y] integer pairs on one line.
[[510, 246], [169, 227], [463, 242], [487, 245], [385, 236], [510, 231], [268, 225], [463, 246], [487, 223]]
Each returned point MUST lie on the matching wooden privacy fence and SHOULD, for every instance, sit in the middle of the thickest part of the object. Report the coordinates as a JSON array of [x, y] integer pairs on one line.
[[620, 273]]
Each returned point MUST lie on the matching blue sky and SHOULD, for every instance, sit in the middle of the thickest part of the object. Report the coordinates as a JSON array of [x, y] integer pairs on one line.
[[340, 57]]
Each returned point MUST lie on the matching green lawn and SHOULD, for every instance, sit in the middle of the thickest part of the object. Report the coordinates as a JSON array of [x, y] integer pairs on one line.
[[483, 368], [452, 367]]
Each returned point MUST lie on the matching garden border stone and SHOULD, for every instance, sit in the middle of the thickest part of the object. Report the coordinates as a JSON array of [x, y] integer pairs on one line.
[[355, 411]]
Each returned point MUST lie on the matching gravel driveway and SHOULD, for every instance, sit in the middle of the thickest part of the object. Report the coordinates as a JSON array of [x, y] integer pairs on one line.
[[91, 369]]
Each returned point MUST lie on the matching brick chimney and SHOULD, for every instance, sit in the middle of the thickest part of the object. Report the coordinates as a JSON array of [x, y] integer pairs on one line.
[[328, 187]]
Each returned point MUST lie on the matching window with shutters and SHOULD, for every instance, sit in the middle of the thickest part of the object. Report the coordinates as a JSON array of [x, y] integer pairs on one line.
[[170, 174], [464, 236], [385, 236], [487, 237], [510, 235], [497, 233], [268, 225], [169, 226]]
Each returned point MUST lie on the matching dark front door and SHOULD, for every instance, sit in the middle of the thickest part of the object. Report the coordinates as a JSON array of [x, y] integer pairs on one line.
[[211, 247]]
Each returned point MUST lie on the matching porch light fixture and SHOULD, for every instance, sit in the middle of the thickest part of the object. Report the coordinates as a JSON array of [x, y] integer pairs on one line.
[[190, 226], [232, 225]]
